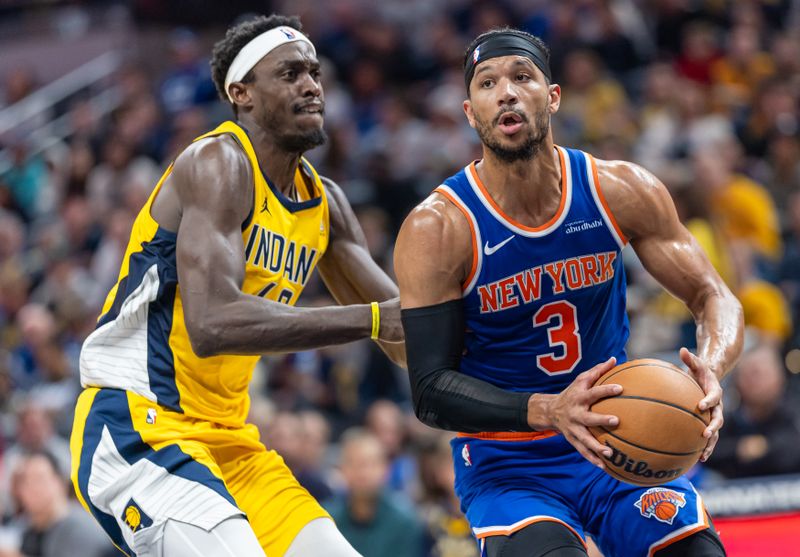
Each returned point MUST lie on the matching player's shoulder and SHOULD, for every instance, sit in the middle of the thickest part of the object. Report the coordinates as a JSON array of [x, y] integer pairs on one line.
[[215, 171], [637, 199], [435, 236], [625, 178], [341, 214], [435, 215], [334, 191], [221, 149]]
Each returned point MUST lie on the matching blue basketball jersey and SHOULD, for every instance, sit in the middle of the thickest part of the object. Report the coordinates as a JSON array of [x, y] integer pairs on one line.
[[542, 304]]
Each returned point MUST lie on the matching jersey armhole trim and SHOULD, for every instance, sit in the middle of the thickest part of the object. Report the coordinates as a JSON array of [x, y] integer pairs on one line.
[[477, 258], [156, 191], [220, 131], [249, 220], [602, 204]]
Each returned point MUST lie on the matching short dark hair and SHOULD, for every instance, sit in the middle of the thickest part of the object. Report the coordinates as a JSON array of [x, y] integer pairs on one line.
[[540, 44], [236, 38]]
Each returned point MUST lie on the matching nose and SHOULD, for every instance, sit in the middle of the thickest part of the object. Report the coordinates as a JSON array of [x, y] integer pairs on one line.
[[310, 87], [507, 93]]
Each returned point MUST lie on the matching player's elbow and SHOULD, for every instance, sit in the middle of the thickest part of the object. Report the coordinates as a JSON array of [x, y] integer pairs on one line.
[[421, 412], [205, 336], [426, 413], [203, 344], [421, 397]]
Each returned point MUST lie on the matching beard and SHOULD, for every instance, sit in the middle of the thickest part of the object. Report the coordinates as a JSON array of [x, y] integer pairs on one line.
[[293, 141], [302, 141], [529, 148]]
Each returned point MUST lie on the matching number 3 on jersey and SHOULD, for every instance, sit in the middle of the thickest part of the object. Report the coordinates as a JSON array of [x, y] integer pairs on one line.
[[561, 319]]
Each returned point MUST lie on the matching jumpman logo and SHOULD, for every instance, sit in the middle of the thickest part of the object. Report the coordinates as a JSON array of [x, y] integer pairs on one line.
[[490, 250], [264, 208]]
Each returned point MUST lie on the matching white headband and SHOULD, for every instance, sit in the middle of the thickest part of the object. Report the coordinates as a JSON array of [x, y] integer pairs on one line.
[[259, 47]]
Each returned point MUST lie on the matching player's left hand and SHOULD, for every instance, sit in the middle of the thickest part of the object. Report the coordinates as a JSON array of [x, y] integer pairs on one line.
[[709, 382]]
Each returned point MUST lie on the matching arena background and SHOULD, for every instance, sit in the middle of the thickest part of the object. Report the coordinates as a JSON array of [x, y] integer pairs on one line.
[[96, 97]]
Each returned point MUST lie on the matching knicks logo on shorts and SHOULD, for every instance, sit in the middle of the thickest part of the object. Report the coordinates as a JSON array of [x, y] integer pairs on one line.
[[135, 518], [661, 503]]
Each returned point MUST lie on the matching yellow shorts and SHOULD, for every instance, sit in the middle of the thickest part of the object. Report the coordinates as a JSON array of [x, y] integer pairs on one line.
[[136, 464]]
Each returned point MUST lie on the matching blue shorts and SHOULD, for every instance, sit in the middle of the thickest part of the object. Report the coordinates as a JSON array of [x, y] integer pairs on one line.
[[507, 485]]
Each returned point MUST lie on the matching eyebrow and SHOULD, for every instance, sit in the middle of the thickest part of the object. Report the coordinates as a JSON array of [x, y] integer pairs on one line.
[[485, 68], [298, 64]]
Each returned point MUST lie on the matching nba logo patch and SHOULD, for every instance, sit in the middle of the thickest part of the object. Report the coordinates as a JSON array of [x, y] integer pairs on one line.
[[288, 32], [151, 416], [475, 55], [465, 455], [135, 518], [660, 503]]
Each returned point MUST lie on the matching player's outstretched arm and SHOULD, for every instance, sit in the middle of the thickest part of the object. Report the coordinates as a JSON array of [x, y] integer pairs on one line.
[[350, 273], [213, 182], [646, 214]]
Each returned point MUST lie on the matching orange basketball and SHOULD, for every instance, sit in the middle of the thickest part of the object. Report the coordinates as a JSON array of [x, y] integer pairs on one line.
[[665, 510], [660, 431]]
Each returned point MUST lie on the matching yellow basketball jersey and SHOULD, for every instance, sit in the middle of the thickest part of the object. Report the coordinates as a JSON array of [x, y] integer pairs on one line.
[[141, 343]]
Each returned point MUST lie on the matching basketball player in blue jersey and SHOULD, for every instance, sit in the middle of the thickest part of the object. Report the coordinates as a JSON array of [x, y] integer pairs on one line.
[[513, 297], [218, 256]]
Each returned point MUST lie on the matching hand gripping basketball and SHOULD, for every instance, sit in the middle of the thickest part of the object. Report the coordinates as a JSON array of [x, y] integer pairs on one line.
[[712, 401], [570, 412]]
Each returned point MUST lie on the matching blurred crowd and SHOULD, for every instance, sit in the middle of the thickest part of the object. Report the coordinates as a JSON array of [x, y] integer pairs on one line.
[[704, 93]]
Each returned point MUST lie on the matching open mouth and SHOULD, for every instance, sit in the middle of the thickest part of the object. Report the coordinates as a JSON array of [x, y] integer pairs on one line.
[[510, 122]]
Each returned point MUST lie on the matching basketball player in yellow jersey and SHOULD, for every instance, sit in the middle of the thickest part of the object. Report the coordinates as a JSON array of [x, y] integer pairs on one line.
[[218, 256]]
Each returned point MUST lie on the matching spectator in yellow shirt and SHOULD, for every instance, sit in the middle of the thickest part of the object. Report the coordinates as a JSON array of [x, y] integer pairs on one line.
[[744, 209]]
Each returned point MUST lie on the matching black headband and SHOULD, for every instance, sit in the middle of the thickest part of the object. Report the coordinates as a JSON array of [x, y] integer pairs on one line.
[[505, 44]]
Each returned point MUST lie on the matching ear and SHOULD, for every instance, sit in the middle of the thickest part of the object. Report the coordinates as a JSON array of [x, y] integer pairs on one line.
[[467, 106], [241, 94], [554, 100]]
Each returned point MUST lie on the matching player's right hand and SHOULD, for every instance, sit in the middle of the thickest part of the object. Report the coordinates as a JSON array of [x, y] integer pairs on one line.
[[391, 329], [569, 412]]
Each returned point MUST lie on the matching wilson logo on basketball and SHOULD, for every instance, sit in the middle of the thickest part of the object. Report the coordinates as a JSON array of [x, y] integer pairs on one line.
[[640, 468], [660, 503]]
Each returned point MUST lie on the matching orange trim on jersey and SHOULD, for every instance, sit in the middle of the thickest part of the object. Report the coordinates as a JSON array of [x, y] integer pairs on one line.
[[681, 536], [474, 171], [475, 246], [517, 528], [604, 203], [511, 435]]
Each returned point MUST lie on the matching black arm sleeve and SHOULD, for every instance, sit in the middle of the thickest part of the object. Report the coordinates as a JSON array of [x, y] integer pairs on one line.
[[443, 396]]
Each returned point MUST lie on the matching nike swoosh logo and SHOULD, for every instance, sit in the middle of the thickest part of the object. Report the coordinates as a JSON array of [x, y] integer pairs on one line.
[[490, 250]]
